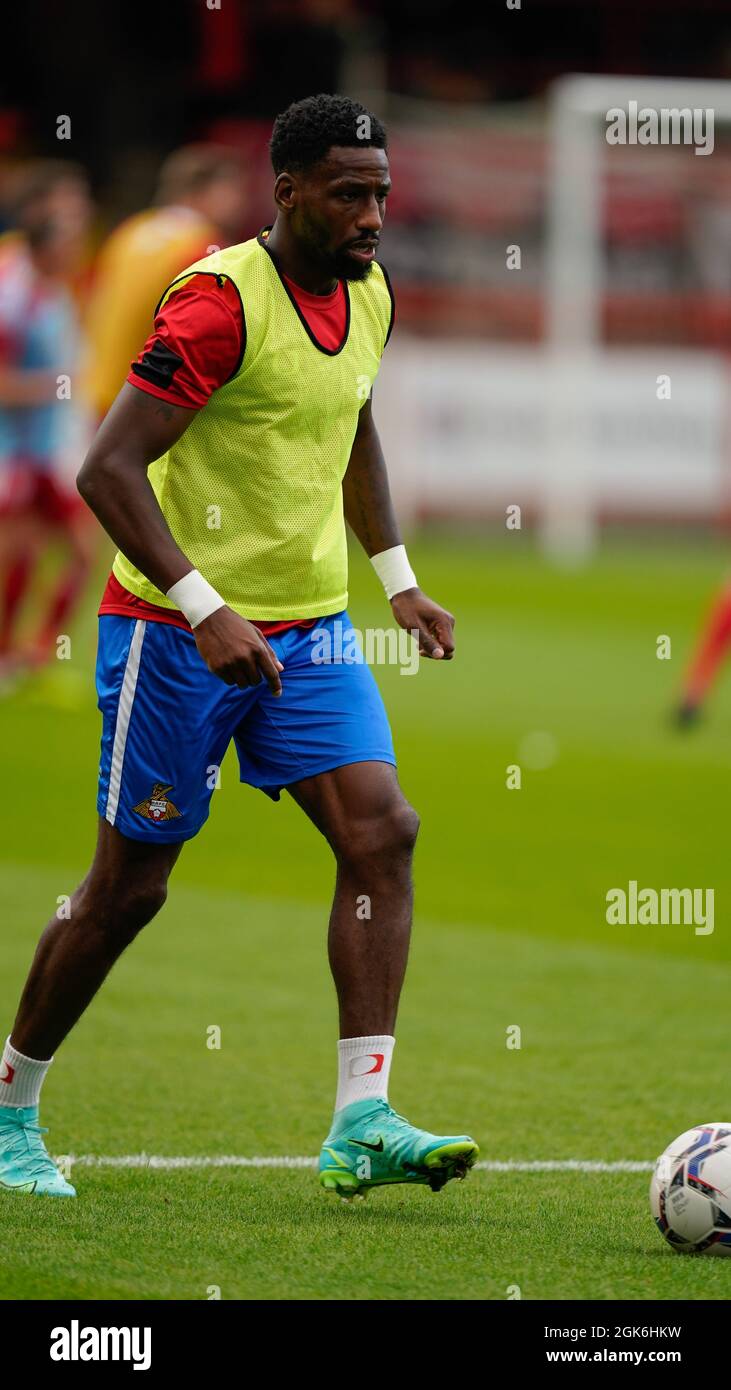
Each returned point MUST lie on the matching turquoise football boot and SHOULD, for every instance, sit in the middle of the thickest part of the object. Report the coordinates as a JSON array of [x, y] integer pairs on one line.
[[25, 1165], [369, 1145]]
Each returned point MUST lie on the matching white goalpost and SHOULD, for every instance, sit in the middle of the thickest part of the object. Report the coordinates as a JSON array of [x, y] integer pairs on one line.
[[575, 356]]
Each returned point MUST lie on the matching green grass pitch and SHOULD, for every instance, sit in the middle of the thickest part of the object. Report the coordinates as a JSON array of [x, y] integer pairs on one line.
[[623, 1029]]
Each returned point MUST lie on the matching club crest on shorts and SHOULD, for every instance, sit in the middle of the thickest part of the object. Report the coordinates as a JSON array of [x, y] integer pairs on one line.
[[157, 807]]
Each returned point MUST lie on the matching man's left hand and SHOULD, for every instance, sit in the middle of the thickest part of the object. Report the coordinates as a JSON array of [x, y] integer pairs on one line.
[[416, 612]]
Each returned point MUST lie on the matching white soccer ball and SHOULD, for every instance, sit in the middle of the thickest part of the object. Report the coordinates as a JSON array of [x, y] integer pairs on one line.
[[690, 1190]]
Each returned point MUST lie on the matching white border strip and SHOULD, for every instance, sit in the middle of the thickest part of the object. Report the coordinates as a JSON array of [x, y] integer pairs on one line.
[[124, 712], [567, 1165]]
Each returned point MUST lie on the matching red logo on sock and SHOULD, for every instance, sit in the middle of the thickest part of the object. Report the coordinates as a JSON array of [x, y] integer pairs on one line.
[[7, 1073], [355, 1064]]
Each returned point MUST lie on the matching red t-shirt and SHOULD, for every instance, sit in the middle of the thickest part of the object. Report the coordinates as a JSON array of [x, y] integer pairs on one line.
[[195, 347]]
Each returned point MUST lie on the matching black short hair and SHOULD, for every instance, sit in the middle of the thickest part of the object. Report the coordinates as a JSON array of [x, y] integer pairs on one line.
[[304, 133]]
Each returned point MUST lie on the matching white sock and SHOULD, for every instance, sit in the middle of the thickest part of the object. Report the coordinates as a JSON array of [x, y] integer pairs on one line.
[[21, 1078], [363, 1069]]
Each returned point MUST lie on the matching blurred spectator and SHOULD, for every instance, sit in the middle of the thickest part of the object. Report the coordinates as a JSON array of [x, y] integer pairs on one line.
[[39, 415], [200, 204]]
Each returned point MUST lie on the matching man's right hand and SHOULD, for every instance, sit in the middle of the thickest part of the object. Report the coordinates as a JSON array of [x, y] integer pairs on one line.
[[235, 650]]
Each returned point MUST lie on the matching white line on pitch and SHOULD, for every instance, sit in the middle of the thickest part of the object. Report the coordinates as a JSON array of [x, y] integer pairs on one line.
[[565, 1165]]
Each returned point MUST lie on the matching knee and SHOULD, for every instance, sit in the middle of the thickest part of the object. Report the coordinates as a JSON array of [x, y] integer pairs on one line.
[[386, 838], [121, 909], [143, 901], [404, 829]]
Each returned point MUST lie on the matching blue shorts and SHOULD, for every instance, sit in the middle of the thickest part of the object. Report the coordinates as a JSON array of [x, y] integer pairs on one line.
[[167, 722]]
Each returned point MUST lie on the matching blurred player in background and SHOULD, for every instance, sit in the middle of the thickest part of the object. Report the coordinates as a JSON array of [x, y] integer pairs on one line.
[[200, 204], [39, 407], [707, 659]]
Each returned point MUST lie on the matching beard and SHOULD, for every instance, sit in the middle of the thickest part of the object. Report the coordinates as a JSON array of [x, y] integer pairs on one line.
[[336, 264], [348, 269]]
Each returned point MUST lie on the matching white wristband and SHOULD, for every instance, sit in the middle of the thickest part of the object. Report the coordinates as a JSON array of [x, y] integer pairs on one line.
[[394, 571], [195, 597]]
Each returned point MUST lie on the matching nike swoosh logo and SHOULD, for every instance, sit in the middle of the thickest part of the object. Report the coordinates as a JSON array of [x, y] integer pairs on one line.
[[377, 1148]]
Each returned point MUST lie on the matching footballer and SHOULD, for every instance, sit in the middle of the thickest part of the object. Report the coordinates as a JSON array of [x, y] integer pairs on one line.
[[240, 444]]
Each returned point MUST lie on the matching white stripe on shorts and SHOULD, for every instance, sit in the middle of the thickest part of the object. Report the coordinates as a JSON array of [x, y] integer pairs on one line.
[[124, 712]]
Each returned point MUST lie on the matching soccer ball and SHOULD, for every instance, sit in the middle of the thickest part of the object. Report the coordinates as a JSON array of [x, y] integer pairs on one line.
[[690, 1191]]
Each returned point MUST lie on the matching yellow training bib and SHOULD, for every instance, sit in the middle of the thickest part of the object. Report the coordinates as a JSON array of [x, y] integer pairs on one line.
[[252, 492]]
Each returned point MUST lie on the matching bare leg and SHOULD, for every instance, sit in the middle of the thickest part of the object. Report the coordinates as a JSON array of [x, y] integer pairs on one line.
[[124, 889], [371, 829], [20, 541], [80, 537]]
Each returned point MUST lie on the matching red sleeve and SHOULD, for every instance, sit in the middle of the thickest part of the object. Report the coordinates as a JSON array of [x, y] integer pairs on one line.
[[197, 343]]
